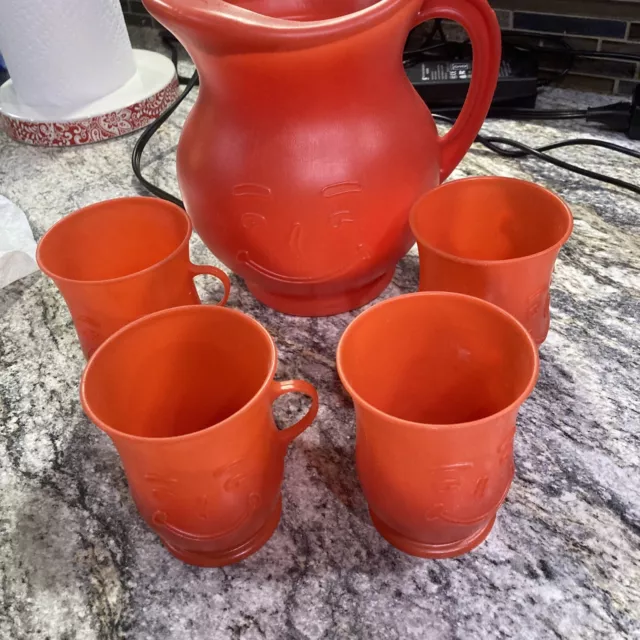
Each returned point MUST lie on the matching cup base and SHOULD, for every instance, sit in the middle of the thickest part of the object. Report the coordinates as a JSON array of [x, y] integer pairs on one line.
[[323, 305], [222, 559], [431, 551]]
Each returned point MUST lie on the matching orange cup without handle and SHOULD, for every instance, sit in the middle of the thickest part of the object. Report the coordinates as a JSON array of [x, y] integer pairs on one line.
[[496, 239], [437, 380], [185, 394], [119, 260]]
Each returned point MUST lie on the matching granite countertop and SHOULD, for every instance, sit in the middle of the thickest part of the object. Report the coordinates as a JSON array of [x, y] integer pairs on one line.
[[563, 561]]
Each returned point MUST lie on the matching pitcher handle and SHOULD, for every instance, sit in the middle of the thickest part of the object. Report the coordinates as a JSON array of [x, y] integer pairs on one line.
[[278, 389], [481, 24], [207, 270]]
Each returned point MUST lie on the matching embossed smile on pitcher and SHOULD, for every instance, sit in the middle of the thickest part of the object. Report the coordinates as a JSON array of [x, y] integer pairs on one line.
[[298, 238]]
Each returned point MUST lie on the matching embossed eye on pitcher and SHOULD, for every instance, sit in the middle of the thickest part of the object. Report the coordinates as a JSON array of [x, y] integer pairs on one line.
[[307, 145], [185, 395], [437, 380]]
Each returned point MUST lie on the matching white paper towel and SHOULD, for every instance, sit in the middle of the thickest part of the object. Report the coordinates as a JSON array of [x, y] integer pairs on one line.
[[17, 246], [63, 54]]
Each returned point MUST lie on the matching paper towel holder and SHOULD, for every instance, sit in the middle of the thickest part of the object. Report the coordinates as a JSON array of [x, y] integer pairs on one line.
[[134, 105]]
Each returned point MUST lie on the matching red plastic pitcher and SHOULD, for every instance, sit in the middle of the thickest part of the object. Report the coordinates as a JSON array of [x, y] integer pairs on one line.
[[308, 145], [437, 380]]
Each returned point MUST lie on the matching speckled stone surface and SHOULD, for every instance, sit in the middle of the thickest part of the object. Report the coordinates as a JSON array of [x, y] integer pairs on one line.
[[563, 560]]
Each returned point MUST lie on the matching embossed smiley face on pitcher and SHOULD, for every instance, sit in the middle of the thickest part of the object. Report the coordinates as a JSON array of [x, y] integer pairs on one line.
[[310, 241]]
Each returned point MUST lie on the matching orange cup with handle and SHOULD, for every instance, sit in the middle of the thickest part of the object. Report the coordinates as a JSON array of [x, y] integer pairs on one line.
[[118, 260], [185, 394], [493, 238], [437, 380]]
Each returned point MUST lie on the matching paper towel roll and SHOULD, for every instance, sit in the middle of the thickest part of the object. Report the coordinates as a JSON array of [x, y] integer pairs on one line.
[[63, 54]]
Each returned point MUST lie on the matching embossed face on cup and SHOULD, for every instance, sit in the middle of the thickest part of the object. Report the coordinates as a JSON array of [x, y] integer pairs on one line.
[[312, 240], [206, 506], [537, 317], [470, 492]]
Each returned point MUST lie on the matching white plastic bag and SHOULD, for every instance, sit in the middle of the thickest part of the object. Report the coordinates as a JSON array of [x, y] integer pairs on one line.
[[17, 246]]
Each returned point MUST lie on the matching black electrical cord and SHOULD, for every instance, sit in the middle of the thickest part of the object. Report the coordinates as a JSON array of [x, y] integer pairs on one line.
[[518, 113], [147, 134], [171, 42], [520, 150], [554, 45], [559, 45], [574, 142], [523, 40], [583, 53], [562, 47]]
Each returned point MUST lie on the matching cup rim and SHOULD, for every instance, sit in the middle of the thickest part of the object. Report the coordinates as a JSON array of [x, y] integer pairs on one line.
[[436, 426], [414, 213], [97, 205], [154, 317]]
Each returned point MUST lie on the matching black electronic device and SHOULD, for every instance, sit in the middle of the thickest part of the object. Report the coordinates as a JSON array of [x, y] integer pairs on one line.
[[444, 83]]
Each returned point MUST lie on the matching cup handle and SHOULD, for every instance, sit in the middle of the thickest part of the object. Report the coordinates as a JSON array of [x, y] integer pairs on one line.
[[480, 22], [206, 270], [278, 389]]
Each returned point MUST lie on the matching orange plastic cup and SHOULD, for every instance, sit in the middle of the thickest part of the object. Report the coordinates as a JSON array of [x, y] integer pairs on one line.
[[496, 239], [185, 394], [437, 380], [118, 260]]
